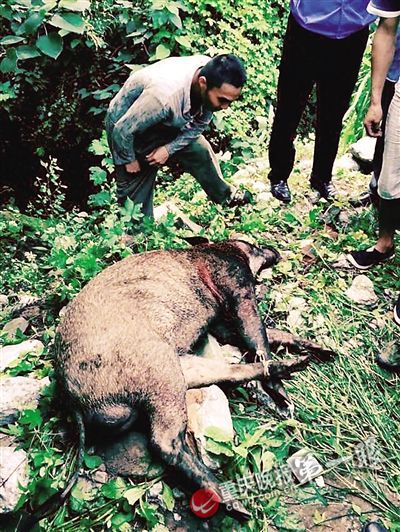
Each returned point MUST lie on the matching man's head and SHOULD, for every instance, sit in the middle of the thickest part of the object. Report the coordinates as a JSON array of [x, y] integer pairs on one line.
[[221, 81]]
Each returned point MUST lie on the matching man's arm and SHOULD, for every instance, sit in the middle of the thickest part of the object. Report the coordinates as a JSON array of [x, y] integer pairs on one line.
[[190, 132], [383, 49], [145, 112]]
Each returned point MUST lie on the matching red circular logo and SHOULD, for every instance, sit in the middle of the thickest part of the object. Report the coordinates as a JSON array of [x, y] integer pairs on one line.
[[204, 503]]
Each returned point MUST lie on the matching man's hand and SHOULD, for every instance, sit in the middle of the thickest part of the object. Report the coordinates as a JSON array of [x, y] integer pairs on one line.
[[373, 120], [133, 167], [158, 156]]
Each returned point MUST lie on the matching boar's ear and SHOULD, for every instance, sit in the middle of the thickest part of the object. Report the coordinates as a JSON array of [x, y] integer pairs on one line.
[[196, 240]]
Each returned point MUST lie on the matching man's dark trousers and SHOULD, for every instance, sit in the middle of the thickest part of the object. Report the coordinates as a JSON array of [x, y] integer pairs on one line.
[[333, 65]]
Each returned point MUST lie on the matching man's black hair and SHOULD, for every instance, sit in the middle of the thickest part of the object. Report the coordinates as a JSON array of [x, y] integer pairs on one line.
[[224, 68]]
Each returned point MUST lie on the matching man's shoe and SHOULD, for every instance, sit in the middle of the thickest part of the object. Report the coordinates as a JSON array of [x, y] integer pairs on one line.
[[326, 189], [240, 198], [396, 312], [280, 191], [373, 526], [389, 359], [365, 259], [363, 200]]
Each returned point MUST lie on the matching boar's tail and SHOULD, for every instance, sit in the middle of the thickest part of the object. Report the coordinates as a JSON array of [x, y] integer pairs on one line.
[[55, 501]]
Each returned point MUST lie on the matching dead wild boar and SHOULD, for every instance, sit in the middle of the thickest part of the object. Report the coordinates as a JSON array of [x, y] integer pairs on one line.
[[127, 340]]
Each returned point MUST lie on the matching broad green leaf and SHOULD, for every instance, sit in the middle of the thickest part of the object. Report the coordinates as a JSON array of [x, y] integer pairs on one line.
[[119, 519], [27, 52], [183, 41], [218, 448], [10, 39], [68, 22], [114, 489], [75, 5], [32, 23], [32, 418], [9, 63], [162, 51], [134, 494], [50, 45], [218, 434], [92, 461]]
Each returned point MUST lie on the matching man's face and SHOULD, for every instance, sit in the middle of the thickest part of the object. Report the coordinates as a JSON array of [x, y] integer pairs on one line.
[[218, 98]]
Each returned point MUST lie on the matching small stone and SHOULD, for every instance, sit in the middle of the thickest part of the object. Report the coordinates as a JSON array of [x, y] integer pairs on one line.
[[3, 301], [344, 217], [156, 490], [13, 476], [177, 517], [362, 291], [100, 477], [19, 393], [10, 353], [14, 325], [346, 162]]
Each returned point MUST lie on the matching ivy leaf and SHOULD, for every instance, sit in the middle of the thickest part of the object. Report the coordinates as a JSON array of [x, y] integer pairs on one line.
[[32, 23], [10, 39], [162, 52], [92, 461], [27, 52], [50, 45], [69, 22], [184, 41]]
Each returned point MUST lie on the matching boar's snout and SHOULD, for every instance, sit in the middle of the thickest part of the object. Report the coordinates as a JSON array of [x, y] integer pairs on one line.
[[271, 256]]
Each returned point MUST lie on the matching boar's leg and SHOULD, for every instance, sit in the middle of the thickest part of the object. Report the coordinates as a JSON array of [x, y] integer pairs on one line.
[[295, 344], [200, 372], [169, 423]]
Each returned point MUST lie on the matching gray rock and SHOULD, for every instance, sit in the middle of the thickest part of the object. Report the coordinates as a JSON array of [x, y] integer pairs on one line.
[[362, 291], [208, 407], [130, 456], [346, 162], [13, 475], [363, 149], [19, 393], [9, 353], [12, 326]]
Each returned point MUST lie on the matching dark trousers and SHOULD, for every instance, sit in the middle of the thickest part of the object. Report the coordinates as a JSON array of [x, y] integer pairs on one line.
[[333, 65]]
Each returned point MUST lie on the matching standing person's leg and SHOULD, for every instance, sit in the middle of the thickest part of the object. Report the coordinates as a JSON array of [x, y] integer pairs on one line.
[[389, 193], [294, 86], [199, 160], [338, 72]]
